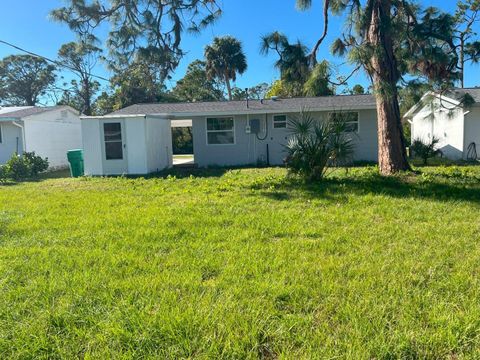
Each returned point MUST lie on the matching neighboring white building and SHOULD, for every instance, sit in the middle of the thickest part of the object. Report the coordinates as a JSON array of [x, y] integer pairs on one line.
[[453, 118], [138, 139], [48, 131]]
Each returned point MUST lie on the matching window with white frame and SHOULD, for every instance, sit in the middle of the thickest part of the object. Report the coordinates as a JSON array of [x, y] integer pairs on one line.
[[279, 121], [220, 131], [350, 118]]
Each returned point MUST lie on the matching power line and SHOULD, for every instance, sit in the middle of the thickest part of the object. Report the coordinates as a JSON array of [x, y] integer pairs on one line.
[[48, 59]]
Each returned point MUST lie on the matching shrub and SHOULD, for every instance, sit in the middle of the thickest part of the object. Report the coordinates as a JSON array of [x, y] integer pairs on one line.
[[425, 150], [18, 168], [26, 166], [38, 164], [315, 146], [3, 173]]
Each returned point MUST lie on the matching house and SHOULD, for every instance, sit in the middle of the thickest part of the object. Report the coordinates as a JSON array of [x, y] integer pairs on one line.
[[48, 131], [452, 117], [137, 139]]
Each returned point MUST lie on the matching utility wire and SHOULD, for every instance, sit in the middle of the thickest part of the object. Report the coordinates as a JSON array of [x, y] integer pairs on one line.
[[48, 59]]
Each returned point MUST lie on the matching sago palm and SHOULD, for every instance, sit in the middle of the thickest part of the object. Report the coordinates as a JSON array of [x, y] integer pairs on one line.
[[316, 145]]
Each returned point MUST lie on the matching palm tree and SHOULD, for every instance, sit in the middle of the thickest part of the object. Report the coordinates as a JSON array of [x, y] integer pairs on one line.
[[299, 73], [224, 59]]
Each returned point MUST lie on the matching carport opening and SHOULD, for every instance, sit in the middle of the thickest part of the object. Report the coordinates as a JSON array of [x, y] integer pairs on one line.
[[182, 143]]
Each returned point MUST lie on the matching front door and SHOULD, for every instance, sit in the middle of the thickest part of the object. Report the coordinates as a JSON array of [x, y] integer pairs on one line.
[[114, 147]]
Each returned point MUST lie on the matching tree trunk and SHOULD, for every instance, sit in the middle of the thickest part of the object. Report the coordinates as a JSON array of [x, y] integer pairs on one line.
[[229, 87], [462, 62], [392, 155], [87, 97]]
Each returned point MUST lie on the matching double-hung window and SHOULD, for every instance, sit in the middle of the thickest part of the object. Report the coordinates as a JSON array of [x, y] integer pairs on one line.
[[220, 131], [350, 118]]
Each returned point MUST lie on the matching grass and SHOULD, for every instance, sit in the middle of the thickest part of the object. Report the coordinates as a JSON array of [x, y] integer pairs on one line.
[[242, 264]]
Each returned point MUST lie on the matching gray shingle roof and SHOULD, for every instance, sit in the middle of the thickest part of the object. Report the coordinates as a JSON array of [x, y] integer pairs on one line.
[[21, 112], [289, 104], [459, 93]]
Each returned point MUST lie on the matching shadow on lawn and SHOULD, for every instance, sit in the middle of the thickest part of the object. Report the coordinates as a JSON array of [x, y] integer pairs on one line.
[[340, 188], [54, 174], [182, 173], [207, 172]]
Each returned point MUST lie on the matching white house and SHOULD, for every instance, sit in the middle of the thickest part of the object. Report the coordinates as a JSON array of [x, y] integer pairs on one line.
[[138, 140], [453, 118], [49, 131]]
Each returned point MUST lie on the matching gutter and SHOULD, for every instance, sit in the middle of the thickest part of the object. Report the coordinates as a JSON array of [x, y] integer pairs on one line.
[[5, 119]]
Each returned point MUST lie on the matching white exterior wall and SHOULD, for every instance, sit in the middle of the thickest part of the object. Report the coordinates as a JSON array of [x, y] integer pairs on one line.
[[159, 144], [50, 135], [11, 142], [136, 145], [447, 125], [472, 130], [92, 147]]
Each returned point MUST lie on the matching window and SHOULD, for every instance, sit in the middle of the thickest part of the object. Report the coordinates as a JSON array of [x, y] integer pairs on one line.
[[220, 131], [113, 141], [350, 118], [279, 121]]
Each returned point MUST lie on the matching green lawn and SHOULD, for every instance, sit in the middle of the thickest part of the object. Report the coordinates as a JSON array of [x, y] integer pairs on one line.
[[242, 264]]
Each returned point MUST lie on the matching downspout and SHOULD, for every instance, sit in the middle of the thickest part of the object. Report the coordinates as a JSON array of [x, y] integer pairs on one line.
[[22, 128]]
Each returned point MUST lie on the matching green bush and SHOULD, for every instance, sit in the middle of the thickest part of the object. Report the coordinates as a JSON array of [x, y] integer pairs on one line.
[[3, 173], [38, 164], [316, 146], [18, 168], [26, 166], [425, 150]]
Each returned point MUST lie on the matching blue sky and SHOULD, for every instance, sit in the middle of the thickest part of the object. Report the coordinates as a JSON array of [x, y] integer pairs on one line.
[[26, 23]]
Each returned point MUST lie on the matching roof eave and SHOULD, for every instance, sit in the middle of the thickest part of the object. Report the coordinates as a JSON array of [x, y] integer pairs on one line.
[[183, 115]]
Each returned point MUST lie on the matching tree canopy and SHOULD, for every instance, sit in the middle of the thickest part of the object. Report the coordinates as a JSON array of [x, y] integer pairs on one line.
[[464, 36], [196, 85], [24, 79], [149, 28], [81, 59]]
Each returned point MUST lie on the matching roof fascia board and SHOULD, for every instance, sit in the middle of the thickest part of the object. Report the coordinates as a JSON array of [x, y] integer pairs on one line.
[[410, 113], [112, 117]]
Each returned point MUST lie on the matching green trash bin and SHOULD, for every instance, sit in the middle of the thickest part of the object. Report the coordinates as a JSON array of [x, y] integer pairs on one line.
[[75, 158]]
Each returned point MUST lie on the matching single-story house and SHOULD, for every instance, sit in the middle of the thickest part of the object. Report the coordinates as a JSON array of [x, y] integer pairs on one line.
[[452, 117], [48, 131], [138, 140]]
